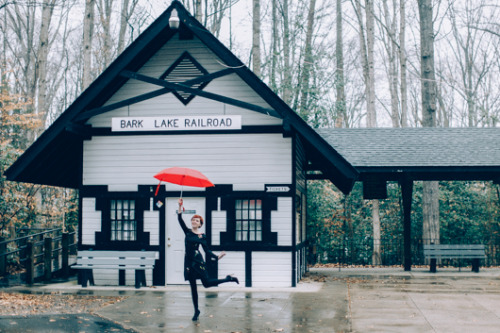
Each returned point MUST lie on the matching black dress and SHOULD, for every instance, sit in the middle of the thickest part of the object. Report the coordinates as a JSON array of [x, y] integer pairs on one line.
[[194, 264]]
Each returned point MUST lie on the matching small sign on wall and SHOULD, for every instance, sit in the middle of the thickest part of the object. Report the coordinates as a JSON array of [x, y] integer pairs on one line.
[[175, 123], [277, 188]]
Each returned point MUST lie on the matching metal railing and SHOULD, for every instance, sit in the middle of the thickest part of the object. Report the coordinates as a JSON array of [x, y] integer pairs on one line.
[[391, 253]]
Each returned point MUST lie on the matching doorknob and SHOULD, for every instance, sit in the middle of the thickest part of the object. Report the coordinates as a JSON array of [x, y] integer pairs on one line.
[[169, 245]]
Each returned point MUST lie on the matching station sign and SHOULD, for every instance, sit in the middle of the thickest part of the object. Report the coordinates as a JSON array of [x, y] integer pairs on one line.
[[175, 123]]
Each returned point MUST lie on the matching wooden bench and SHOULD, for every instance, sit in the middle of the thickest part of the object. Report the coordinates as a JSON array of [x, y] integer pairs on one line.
[[454, 251], [87, 261]]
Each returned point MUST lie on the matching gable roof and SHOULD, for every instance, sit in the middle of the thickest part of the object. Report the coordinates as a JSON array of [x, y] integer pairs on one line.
[[420, 153], [55, 158]]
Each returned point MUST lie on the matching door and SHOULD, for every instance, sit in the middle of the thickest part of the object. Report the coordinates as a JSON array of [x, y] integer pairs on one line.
[[175, 236]]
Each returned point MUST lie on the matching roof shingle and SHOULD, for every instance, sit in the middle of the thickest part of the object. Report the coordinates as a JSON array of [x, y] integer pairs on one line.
[[416, 147]]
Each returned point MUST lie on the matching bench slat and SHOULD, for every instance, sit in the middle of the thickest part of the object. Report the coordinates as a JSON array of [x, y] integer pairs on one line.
[[454, 246], [109, 261], [464, 251], [77, 266], [118, 254]]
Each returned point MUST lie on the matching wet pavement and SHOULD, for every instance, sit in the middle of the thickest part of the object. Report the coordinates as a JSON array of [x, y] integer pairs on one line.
[[59, 323], [331, 300]]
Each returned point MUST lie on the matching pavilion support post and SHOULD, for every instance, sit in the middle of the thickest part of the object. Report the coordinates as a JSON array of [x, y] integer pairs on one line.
[[407, 192]]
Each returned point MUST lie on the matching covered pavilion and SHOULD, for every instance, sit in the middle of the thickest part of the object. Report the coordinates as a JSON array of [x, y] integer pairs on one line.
[[405, 155]]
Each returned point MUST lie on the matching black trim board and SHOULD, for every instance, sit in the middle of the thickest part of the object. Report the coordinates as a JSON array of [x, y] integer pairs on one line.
[[261, 129], [97, 111], [464, 173]]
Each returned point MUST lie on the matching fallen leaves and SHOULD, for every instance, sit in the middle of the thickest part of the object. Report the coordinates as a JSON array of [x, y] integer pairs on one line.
[[16, 304]]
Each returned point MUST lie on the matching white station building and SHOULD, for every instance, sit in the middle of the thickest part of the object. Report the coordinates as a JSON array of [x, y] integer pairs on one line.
[[178, 97]]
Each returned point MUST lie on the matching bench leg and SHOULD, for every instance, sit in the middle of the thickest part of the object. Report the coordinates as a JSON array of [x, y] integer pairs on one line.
[[140, 278], [433, 265], [84, 276], [475, 265]]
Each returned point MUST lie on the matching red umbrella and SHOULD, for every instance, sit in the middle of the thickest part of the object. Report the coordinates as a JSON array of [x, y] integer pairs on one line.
[[183, 176]]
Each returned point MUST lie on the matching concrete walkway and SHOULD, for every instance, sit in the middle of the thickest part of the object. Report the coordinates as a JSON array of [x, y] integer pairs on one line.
[[349, 300]]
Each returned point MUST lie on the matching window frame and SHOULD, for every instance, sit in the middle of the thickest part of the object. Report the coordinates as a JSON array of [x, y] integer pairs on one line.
[[248, 220], [118, 221], [228, 204]]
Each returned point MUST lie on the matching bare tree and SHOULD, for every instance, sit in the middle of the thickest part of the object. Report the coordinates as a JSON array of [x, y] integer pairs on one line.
[[472, 51], [105, 9], [256, 38], [430, 200], [197, 10], [340, 105], [367, 40], [88, 32], [402, 64], [307, 63], [389, 33], [126, 13], [287, 75], [274, 46], [41, 61]]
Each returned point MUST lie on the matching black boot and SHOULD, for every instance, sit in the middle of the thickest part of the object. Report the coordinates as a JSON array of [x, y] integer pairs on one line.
[[196, 314], [230, 278]]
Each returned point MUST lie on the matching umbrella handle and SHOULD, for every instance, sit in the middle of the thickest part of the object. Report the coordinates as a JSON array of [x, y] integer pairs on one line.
[[157, 189]]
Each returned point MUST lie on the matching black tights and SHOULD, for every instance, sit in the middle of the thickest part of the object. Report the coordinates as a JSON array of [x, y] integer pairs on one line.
[[207, 283]]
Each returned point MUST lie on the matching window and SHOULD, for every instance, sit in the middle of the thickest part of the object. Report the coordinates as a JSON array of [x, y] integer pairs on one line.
[[123, 221], [248, 220]]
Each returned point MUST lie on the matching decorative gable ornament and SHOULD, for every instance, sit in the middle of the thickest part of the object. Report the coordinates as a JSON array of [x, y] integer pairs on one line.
[[184, 69]]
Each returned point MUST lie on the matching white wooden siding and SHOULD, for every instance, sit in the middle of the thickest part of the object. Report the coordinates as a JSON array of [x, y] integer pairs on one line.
[[281, 221], [271, 269], [109, 277], [152, 225], [231, 86], [233, 264], [219, 219], [248, 161], [91, 221]]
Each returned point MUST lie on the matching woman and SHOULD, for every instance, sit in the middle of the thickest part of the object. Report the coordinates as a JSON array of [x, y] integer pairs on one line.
[[194, 264]]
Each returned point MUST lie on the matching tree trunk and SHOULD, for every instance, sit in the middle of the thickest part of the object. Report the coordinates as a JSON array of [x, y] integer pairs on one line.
[[367, 50], [41, 64], [371, 117], [287, 76], [376, 256], [88, 32], [367, 47], [340, 105], [308, 61], [197, 10], [105, 10], [428, 78], [124, 17], [274, 47], [402, 64], [256, 38], [430, 212], [391, 49], [430, 200]]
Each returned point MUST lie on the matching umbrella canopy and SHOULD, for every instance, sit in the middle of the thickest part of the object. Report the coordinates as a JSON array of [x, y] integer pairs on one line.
[[184, 177]]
